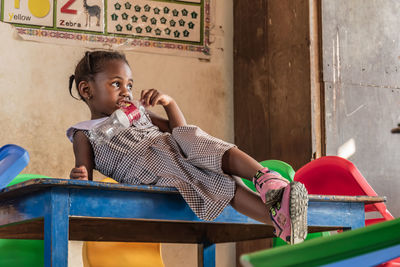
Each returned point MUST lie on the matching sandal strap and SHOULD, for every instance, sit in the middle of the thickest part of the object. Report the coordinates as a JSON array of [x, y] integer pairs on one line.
[[266, 180]]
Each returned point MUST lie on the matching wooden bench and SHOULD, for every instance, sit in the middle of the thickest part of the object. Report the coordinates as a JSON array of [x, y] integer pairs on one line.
[[58, 210]]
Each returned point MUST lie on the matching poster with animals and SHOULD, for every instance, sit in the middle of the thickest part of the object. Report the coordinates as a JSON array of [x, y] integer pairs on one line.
[[178, 27]]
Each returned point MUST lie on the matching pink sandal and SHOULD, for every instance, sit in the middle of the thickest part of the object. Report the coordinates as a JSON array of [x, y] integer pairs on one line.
[[289, 216], [269, 184], [288, 204]]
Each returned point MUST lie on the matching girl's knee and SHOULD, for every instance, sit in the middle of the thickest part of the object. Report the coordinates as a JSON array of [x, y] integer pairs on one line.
[[226, 159]]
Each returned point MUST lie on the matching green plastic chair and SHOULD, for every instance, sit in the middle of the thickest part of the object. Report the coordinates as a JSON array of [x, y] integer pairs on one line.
[[20, 252], [370, 240], [288, 173]]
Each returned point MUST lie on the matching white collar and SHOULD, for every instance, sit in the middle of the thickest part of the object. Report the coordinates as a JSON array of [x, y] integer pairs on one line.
[[83, 125]]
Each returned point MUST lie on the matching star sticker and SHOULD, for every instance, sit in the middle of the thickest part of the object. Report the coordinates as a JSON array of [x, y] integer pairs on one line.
[[176, 34], [114, 16], [181, 22], [117, 6], [128, 5], [118, 27], [124, 16], [191, 25], [185, 33]]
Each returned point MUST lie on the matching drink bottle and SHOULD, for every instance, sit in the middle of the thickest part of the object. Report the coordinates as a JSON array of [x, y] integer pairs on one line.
[[129, 113]]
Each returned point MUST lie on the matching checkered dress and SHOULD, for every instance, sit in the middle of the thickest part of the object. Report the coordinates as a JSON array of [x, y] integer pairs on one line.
[[188, 159]]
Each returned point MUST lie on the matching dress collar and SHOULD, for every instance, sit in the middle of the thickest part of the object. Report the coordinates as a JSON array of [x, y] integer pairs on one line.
[[83, 125]]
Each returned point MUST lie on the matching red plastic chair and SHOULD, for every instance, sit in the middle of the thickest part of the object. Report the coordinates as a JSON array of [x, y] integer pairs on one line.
[[332, 175]]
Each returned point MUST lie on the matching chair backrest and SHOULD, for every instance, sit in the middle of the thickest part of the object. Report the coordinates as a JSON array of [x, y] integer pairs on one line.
[[280, 166], [13, 159], [332, 175]]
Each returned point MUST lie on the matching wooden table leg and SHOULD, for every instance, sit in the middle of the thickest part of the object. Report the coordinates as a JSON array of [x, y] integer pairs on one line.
[[56, 225], [206, 255]]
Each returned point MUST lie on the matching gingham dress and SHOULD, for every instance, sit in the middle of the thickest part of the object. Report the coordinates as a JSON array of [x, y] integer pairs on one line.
[[188, 159]]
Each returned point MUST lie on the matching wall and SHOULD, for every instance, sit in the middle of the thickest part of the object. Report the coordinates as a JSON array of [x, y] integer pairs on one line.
[[36, 108], [361, 82], [272, 87], [272, 80]]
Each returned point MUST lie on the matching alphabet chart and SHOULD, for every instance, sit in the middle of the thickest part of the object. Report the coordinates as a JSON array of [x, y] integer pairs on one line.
[[166, 26]]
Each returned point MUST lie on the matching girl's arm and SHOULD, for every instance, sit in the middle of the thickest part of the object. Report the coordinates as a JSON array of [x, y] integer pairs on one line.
[[175, 116], [84, 163]]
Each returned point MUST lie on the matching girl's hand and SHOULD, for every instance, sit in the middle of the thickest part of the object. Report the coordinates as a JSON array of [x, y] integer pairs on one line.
[[79, 173], [152, 97]]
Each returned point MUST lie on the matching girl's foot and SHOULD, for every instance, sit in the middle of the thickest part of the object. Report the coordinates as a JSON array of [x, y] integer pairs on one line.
[[269, 184], [289, 215]]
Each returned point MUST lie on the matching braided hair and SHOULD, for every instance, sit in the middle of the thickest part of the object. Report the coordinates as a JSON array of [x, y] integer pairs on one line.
[[91, 64]]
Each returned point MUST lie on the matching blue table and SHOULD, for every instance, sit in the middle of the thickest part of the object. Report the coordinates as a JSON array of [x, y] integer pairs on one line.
[[58, 210]]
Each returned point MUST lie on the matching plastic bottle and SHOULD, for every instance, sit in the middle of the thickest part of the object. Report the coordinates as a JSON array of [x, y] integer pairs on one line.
[[130, 113]]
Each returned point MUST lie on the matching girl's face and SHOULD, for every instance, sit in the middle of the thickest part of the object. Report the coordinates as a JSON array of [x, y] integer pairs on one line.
[[110, 87]]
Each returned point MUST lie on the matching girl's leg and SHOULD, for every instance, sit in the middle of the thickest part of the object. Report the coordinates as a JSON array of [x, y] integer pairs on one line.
[[268, 183], [288, 203], [250, 204], [236, 162]]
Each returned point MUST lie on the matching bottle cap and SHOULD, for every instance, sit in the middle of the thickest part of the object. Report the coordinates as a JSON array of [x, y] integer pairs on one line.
[[122, 118]]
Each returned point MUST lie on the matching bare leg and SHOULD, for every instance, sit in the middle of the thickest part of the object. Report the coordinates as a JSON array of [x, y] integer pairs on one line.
[[236, 162], [250, 204]]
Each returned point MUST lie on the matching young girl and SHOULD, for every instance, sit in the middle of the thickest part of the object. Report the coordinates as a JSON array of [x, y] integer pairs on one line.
[[168, 152]]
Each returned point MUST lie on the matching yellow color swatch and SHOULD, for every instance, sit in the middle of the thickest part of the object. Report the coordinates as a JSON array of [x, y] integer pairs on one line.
[[39, 8]]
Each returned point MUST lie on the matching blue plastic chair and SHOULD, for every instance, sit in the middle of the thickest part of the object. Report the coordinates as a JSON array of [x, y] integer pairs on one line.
[[13, 159]]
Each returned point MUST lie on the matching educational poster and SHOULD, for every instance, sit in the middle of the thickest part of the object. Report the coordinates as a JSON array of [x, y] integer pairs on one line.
[[79, 15], [37, 12], [163, 26]]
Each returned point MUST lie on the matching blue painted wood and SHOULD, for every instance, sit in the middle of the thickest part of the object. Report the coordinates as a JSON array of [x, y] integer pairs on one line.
[[56, 230], [317, 210], [350, 215], [88, 184], [28, 207], [158, 206], [209, 255], [56, 199], [370, 259]]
